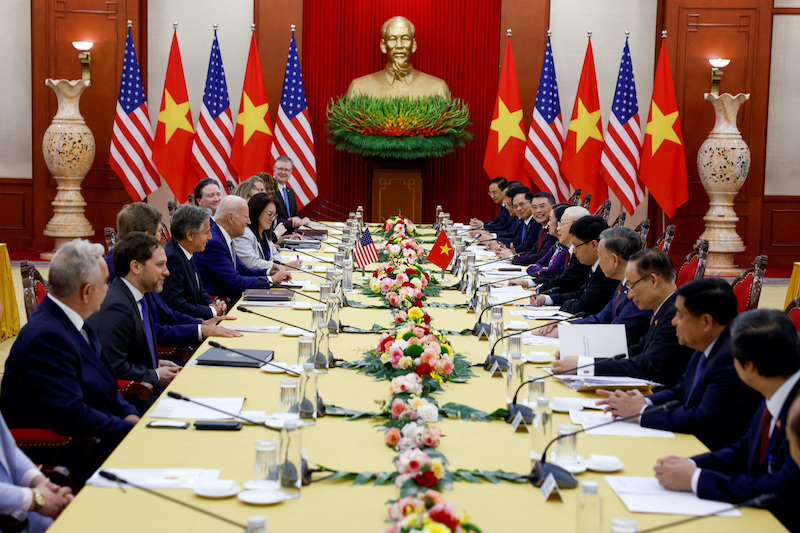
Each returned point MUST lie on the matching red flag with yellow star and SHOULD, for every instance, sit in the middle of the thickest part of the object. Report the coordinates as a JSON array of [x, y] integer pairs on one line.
[[441, 252], [663, 166], [174, 132], [583, 147], [505, 149], [253, 136]]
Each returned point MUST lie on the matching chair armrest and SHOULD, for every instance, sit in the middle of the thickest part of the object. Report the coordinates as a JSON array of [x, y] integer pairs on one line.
[[140, 389]]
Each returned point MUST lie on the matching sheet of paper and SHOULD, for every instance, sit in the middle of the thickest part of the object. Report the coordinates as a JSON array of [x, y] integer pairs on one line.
[[255, 329], [171, 408], [538, 340], [491, 265], [586, 403], [329, 250], [286, 257], [589, 419], [253, 303], [536, 313], [646, 495], [592, 340], [511, 290], [157, 478]]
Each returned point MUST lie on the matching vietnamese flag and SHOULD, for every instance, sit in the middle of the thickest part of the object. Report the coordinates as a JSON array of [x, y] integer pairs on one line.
[[663, 166], [253, 136], [505, 149], [583, 147], [174, 132], [441, 253]]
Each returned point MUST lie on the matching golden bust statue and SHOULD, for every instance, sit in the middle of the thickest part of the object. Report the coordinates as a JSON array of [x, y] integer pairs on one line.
[[399, 78]]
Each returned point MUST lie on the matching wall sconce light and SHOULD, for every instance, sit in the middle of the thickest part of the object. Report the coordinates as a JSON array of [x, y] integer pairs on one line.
[[86, 58], [716, 72]]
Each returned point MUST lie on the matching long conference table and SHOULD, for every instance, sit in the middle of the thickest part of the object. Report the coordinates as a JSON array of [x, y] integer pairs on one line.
[[358, 446]]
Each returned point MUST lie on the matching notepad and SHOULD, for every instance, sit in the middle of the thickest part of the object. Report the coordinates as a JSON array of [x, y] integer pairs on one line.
[[646, 495]]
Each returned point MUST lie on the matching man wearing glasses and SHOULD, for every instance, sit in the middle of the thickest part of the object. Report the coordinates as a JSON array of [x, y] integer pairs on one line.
[[288, 215], [650, 282]]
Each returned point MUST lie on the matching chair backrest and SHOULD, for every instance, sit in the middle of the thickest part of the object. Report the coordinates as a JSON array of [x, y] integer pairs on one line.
[[747, 287], [587, 200], [575, 198], [665, 241], [171, 207], [34, 287], [793, 310], [605, 210], [643, 229], [620, 221], [165, 232], [694, 266], [111, 238], [190, 199]]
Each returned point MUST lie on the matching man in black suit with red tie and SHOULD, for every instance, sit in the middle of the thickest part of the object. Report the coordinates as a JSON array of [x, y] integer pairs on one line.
[[765, 348]]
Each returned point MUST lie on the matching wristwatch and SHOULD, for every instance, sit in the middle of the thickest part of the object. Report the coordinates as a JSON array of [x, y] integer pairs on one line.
[[38, 499]]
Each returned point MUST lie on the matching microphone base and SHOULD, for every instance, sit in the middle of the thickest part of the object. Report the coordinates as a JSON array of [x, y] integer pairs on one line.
[[482, 330], [502, 362], [564, 479], [514, 408]]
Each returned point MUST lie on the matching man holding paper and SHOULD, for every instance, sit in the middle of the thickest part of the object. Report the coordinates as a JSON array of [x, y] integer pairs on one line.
[[766, 355], [716, 406]]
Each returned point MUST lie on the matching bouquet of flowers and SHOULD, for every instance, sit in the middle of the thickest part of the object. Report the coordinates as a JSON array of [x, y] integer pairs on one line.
[[427, 512], [416, 468], [413, 435], [398, 226], [412, 315], [420, 349], [401, 286], [412, 408], [401, 248]]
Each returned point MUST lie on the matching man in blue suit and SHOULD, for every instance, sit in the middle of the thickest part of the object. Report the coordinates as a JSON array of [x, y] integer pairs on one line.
[[716, 406], [221, 271], [541, 205], [527, 231], [57, 377], [766, 355], [496, 188]]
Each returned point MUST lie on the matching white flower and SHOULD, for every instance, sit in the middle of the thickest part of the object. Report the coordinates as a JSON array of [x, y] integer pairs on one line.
[[428, 413]]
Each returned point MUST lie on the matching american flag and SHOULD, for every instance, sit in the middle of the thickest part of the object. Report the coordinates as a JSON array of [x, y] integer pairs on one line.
[[211, 151], [365, 252], [293, 136], [132, 136], [619, 164], [546, 134]]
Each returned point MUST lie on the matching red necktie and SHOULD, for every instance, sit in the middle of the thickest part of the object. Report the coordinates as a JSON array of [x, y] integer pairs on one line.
[[541, 240], [766, 420]]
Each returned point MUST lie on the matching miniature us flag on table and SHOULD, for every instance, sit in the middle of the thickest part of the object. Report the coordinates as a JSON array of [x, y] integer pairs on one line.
[[365, 252]]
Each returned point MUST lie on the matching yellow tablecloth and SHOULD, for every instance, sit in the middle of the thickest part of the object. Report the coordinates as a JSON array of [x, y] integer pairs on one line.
[[9, 321], [358, 446]]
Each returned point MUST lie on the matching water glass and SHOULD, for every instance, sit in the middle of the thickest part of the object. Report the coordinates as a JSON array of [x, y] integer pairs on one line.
[[567, 451], [267, 475], [305, 344], [347, 276], [287, 407], [513, 345], [318, 314], [535, 390], [497, 323]]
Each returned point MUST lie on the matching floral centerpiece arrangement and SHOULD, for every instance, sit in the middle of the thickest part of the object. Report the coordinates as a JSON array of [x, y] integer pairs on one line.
[[414, 315], [418, 469], [427, 512], [402, 249], [398, 226], [401, 286]]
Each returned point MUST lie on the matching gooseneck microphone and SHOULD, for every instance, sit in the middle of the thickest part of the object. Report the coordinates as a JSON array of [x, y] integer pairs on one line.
[[349, 210], [244, 309], [482, 327], [113, 477], [565, 479], [502, 361], [313, 256], [215, 344], [324, 205], [286, 288], [178, 396], [759, 502], [298, 269], [527, 412]]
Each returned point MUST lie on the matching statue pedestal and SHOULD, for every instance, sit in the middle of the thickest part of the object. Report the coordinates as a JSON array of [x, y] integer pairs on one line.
[[397, 189]]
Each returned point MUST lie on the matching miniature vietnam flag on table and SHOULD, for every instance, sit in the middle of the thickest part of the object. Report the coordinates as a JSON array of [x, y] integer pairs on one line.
[[442, 252]]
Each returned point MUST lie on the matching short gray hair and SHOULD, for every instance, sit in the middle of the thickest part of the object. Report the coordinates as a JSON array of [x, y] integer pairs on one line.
[[574, 212], [74, 265], [622, 241], [285, 158], [187, 218], [228, 205]]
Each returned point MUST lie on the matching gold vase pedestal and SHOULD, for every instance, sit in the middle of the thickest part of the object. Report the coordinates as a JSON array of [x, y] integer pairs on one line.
[[723, 162], [68, 148]]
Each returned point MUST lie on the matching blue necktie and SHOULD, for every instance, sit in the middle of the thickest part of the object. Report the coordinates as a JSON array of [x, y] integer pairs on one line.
[[524, 229], [701, 365], [148, 331], [286, 200]]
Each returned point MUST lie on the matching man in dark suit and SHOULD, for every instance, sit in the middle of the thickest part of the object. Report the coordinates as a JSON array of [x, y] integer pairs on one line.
[[541, 205], [57, 377], [286, 204], [764, 343], [125, 322], [183, 290], [650, 281], [221, 271], [496, 188], [506, 232], [597, 289], [527, 230], [716, 406]]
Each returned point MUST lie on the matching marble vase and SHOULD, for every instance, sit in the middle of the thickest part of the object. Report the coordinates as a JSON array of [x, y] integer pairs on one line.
[[68, 147], [723, 162]]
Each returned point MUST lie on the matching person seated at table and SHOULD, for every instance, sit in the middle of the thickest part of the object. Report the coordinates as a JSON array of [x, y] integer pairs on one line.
[[764, 344], [57, 376], [541, 205], [208, 194], [491, 238], [555, 260], [528, 230], [256, 248], [245, 189], [220, 269], [270, 183], [574, 273], [496, 188], [286, 199], [650, 282], [597, 289], [617, 245], [716, 406]]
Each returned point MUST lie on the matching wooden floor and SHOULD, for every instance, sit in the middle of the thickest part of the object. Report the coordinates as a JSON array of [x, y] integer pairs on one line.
[[772, 297]]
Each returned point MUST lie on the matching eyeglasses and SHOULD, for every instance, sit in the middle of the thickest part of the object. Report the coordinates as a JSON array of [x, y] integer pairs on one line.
[[282, 169], [630, 287], [575, 247], [271, 216]]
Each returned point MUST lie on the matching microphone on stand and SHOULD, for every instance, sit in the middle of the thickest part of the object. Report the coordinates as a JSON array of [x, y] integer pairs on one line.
[[565, 479], [502, 361], [215, 344], [246, 310], [298, 269], [329, 208], [482, 327], [759, 502], [339, 205], [113, 477], [324, 224], [527, 412], [313, 257], [333, 217]]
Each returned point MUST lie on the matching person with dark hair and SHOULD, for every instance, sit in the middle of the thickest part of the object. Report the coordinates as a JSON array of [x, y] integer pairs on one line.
[[208, 194], [597, 289], [256, 248], [650, 282], [496, 188], [528, 230], [764, 343], [574, 274], [503, 234], [125, 323], [555, 259], [542, 204], [716, 406]]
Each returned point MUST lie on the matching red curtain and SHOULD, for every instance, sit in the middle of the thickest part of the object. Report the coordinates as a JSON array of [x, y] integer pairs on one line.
[[457, 40]]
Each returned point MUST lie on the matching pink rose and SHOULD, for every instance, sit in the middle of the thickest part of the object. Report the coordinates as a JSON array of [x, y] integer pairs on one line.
[[386, 284], [418, 331], [398, 408], [394, 299], [392, 436]]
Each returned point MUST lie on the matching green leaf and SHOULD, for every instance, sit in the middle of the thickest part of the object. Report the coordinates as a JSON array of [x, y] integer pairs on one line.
[[467, 476], [362, 478], [382, 477], [339, 474], [490, 476]]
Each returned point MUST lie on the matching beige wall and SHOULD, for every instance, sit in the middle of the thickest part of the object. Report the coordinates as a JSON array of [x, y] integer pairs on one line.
[[15, 103]]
